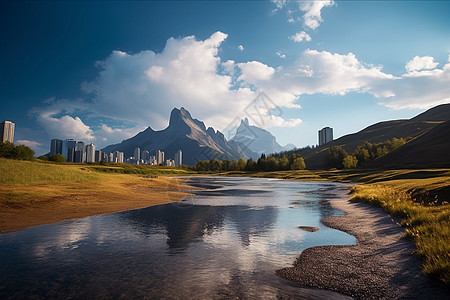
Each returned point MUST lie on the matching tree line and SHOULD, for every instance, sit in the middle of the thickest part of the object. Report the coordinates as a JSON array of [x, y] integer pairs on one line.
[[265, 164], [9, 150], [339, 158]]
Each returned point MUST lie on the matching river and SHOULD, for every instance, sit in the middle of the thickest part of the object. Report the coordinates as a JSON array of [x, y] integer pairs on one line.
[[224, 242]]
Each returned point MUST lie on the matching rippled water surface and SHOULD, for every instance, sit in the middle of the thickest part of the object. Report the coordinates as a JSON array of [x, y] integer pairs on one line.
[[224, 242]]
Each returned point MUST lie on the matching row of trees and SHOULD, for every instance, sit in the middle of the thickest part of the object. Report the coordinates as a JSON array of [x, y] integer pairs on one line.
[[340, 159], [9, 150], [270, 163]]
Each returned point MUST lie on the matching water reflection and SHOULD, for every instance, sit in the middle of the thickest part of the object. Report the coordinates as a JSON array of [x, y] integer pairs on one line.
[[224, 242]]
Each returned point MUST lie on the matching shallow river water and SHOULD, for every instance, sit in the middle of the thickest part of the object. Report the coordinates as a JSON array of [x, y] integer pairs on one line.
[[225, 242]]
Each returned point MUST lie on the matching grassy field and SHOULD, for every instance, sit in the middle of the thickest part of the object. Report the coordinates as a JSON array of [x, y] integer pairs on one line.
[[428, 225], [33, 192], [28, 172]]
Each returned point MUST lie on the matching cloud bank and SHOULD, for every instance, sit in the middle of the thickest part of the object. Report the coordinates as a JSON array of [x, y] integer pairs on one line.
[[141, 89]]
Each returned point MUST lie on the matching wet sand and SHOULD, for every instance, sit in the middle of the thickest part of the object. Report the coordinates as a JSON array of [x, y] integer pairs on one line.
[[380, 266], [49, 203]]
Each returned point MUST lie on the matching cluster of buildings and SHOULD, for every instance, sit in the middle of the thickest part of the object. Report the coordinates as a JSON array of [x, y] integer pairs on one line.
[[144, 158], [325, 135], [7, 131], [78, 152]]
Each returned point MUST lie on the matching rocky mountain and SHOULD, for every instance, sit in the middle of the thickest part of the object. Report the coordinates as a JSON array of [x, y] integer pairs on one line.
[[255, 141], [183, 133]]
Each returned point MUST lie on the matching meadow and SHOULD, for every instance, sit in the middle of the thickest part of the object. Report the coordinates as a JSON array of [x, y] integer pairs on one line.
[[36, 192]]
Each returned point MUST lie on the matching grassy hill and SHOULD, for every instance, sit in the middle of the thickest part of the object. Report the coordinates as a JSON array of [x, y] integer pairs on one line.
[[431, 149], [382, 131]]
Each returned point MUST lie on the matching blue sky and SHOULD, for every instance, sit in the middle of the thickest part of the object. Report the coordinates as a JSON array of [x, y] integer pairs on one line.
[[103, 71]]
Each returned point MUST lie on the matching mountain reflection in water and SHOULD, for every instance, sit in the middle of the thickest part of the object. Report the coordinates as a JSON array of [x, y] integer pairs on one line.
[[224, 242]]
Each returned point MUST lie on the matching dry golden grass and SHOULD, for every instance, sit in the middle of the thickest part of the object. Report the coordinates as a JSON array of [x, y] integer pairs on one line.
[[75, 192], [428, 226]]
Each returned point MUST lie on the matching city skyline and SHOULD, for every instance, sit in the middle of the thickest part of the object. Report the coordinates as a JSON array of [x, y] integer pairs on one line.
[[342, 64], [78, 152]]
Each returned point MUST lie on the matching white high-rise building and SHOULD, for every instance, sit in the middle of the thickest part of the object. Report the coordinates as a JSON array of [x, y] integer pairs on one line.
[[118, 157], [159, 157], [80, 153], [325, 135], [90, 153], [7, 131], [137, 155], [178, 158]]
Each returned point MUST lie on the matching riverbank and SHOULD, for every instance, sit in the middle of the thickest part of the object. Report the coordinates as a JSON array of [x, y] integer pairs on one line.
[[380, 266], [32, 193], [420, 197]]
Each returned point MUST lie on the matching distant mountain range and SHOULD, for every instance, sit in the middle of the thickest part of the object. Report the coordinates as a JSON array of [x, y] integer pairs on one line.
[[258, 140], [198, 142], [430, 144]]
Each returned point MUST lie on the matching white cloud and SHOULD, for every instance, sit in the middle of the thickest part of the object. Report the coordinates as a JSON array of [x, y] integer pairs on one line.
[[279, 4], [309, 12], [323, 72], [312, 12], [144, 87], [300, 37], [108, 133], [420, 89], [64, 126], [281, 55], [421, 63], [276, 121], [254, 71], [241, 48], [32, 144]]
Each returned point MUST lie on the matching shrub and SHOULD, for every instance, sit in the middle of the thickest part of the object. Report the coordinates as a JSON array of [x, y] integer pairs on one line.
[[298, 164], [350, 162], [59, 158], [8, 150]]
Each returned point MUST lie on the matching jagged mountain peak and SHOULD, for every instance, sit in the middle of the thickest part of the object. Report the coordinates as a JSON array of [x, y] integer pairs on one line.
[[258, 140], [183, 133]]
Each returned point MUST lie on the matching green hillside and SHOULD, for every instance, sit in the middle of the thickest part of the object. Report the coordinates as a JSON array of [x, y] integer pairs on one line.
[[380, 132], [432, 149]]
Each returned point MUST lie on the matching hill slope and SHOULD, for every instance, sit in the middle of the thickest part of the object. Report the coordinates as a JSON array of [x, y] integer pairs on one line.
[[380, 132], [432, 149]]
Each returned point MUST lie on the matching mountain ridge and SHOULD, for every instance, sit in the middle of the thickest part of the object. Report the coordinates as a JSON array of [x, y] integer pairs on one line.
[[183, 133]]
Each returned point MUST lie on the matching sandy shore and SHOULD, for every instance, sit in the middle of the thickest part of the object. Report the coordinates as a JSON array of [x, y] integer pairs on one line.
[[49, 203], [380, 266]]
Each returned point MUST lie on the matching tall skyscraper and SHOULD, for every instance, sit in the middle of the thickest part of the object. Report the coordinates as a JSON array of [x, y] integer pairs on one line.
[[70, 151], [80, 153], [98, 156], [145, 155], [137, 155], [55, 146], [325, 135], [178, 158], [7, 131], [159, 157], [118, 157], [90, 153]]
